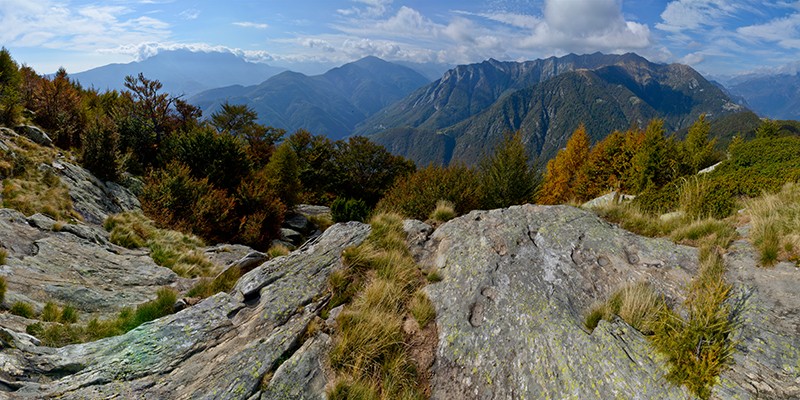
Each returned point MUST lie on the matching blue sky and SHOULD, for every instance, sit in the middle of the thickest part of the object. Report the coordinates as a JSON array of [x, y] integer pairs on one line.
[[717, 37]]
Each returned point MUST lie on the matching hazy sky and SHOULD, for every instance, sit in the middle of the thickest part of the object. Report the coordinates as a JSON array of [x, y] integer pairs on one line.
[[714, 36]]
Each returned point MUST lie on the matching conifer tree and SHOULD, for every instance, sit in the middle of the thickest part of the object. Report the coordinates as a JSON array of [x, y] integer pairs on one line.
[[506, 177], [283, 173], [699, 149], [768, 129], [562, 173], [651, 164]]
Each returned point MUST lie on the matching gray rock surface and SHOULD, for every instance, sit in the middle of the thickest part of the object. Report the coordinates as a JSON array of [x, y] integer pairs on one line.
[[92, 198], [767, 358], [76, 265], [221, 348], [510, 308], [35, 134]]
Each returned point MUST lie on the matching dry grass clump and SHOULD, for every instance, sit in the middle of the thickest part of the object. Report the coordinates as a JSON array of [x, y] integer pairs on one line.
[[224, 282], [22, 309], [444, 211], [776, 225], [705, 232], [3, 288], [322, 221], [29, 188], [171, 249], [3, 255], [637, 304], [380, 285], [277, 250]]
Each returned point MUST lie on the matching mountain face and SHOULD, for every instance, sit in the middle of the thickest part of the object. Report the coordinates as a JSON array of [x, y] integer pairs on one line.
[[330, 104], [773, 96], [465, 113], [181, 72]]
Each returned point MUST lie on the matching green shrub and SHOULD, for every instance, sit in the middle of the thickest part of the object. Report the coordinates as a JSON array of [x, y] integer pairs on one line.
[[658, 200], [343, 210], [701, 197], [22, 309], [776, 224]]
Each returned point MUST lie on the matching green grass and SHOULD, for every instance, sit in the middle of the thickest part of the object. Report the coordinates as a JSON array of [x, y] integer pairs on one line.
[[775, 222], [637, 304], [379, 286], [171, 249], [3, 288], [67, 331], [22, 309], [224, 282], [3, 255]]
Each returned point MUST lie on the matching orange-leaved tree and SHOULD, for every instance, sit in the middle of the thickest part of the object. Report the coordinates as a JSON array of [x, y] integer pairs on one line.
[[563, 170]]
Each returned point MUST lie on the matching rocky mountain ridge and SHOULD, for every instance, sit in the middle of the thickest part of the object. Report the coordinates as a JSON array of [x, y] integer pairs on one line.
[[461, 116]]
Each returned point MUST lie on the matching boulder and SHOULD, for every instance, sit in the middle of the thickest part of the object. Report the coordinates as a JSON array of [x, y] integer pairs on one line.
[[607, 199], [35, 134], [510, 308], [297, 222], [225, 347], [291, 236]]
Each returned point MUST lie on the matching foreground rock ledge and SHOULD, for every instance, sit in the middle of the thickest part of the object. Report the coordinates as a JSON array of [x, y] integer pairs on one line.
[[219, 349], [518, 281]]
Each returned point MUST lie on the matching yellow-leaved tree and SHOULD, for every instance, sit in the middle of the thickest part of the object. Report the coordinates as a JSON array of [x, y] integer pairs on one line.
[[563, 170]]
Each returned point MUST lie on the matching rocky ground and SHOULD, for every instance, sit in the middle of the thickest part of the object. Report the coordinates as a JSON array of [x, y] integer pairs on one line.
[[510, 310]]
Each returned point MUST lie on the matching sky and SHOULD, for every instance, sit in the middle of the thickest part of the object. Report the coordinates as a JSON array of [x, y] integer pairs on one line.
[[716, 37]]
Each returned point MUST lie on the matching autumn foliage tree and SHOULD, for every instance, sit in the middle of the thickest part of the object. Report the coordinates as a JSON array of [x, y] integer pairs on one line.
[[563, 171]]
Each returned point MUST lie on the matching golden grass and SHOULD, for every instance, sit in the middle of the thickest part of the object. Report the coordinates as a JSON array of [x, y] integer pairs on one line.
[[775, 222], [171, 249], [380, 285], [444, 211], [277, 250], [322, 222]]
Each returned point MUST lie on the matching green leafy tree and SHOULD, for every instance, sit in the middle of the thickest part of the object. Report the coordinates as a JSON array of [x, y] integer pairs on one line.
[[236, 119], [219, 157], [317, 168], [10, 98], [366, 170], [562, 176], [100, 152], [149, 104], [506, 176]]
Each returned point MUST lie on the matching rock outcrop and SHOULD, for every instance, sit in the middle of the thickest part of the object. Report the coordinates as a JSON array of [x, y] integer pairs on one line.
[[92, 198], [75, 265], [516, 285], [221, 348]]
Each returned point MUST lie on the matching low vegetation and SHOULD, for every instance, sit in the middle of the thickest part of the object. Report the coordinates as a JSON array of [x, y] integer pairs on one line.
[[68, 331], [379, 286], [775, 222], [444, 211], [171, 249], [3, 288]]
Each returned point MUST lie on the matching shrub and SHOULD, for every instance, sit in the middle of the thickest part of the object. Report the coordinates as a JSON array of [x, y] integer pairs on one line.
[[343, 210], [415, 196], [22, 309], [100, 149], [506, 176], [701, 198], [69, 315], [658, 200]]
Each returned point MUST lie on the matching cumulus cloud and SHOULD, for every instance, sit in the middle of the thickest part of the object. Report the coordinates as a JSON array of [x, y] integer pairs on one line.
[[367, 8]]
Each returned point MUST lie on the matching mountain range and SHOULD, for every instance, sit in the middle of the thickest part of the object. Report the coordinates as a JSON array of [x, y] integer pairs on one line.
[[182, 72], [462, 115], [773, 95], [330, 104]]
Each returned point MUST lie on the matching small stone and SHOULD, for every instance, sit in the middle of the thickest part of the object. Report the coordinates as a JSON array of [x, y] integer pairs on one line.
[[603, 261]]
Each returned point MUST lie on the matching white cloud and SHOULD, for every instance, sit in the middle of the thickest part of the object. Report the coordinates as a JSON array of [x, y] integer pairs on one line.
[[784, 31], [254, 25], [367, 8], [190, 14], [51, 25]]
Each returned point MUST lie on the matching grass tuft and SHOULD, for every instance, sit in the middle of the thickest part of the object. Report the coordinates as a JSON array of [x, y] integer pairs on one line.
[[22, 309], [379, 283], [3, 288], [277, 250], [171, 249], [444, 211], [775, 222], [3, 255]]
